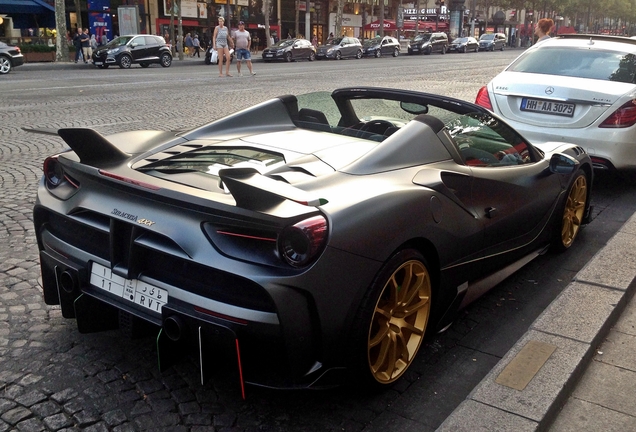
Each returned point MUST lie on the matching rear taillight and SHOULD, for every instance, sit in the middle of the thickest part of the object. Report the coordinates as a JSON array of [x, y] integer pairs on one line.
[[300, 243], [53, 172], [483, 99], [623, 117]]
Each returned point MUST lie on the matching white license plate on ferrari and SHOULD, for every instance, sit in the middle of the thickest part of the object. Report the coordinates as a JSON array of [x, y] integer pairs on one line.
[[132, 290], [548, 107]]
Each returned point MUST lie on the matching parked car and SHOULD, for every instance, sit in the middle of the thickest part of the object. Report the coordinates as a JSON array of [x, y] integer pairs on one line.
[[427, 43], [576, 88], [464, 44], [379, 46], [212, 56], [290, 50], [10, 57], [313, 238], [492, 41], [125, 51], [339, 48]]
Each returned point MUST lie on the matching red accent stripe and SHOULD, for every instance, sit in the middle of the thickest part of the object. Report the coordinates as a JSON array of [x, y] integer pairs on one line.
[[218, 315], [128, 180], [238, 357], [245, 236]]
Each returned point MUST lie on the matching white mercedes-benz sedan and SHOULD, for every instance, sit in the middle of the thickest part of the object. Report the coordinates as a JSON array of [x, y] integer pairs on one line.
[[573, 88]]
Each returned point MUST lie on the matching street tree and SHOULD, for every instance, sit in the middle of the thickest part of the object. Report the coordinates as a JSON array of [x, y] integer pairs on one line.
[[61, 46]]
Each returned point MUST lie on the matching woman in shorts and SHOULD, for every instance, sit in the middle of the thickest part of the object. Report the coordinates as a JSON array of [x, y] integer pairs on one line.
[[221, 41]]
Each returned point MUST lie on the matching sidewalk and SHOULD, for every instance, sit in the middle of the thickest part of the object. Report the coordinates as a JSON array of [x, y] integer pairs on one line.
[[551, 366]]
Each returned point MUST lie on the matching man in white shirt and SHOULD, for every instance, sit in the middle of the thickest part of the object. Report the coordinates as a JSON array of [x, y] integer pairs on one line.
[[242, 42]]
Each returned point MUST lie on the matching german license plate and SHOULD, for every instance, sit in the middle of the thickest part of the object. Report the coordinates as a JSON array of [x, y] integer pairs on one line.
[[269, 55], [548, 107], [132, 290], [415, 49], [98, 63]]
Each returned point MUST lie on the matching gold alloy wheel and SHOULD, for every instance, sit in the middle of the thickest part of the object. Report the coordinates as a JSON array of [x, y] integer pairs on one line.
[[574, 209], [399, 321]]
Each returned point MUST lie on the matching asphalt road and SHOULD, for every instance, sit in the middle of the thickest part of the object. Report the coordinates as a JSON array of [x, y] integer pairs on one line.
[[53, 378]]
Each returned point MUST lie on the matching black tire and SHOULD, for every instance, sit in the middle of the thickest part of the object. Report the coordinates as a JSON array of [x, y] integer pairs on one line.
[[428, 51], [403, 284], [207, 60], [396, 52], [5, 65], [443, 50], [503, 46], [165, 60], [288, 57], [359, 54], [338, 55], [144, 65], [571, 211], [125, 61], [378, 53], [464, 50], [312, 56]]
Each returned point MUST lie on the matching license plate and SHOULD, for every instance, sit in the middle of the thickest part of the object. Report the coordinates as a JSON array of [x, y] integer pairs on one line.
[[132, 290], [269, 55], [548, 107], [98, 63], [415, 49]]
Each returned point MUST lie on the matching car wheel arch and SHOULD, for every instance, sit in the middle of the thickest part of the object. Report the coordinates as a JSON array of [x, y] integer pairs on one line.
[[360, 349]]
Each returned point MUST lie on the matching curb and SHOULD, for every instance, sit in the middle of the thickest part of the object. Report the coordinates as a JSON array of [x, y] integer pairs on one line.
[[574, 325]]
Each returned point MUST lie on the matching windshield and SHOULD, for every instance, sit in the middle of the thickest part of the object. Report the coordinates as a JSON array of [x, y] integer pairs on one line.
[[374, 41], [120, 41], [335, 41], [422, 38], [284, 43], [579, 63], [460, 40], [487, 37]]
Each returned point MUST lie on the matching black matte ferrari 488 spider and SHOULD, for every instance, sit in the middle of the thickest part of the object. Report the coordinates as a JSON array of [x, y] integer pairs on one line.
[[313, 239]]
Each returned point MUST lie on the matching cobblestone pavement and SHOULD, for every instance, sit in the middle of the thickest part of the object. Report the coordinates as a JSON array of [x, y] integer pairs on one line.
[[52, 378]]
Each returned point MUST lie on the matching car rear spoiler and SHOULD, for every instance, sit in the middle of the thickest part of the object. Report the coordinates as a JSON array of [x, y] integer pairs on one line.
[[253, 191]]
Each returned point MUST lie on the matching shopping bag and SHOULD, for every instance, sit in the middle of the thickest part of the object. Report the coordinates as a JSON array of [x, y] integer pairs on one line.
[[214, 57]]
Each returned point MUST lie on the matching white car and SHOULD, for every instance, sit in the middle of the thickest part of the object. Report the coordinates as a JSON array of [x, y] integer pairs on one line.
[[573, 88]]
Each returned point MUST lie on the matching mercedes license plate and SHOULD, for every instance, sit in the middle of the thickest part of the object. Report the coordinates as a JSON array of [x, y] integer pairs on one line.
[[132, 290], [548, 107]]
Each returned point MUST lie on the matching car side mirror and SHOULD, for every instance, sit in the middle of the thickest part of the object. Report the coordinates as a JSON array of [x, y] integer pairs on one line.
[[563, 164], [134, 45]]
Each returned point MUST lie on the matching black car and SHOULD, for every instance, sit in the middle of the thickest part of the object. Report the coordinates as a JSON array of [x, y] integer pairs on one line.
[[290, 50], [428, 43], [308, 239], [464, 44], [339, 48], [379, 46], [10, 57], [124, 51], [492, 41]]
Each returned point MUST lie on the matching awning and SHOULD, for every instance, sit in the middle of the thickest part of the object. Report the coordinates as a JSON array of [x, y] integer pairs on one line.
[[29, 13], [11, 7]]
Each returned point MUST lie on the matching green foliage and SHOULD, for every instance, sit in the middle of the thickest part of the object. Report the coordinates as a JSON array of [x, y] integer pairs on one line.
[[26, 48]]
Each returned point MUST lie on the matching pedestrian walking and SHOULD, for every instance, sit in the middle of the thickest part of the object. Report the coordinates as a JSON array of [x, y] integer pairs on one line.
[[243, 41], [222, 44], [93, 42], [196, 45], [188, 43]]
